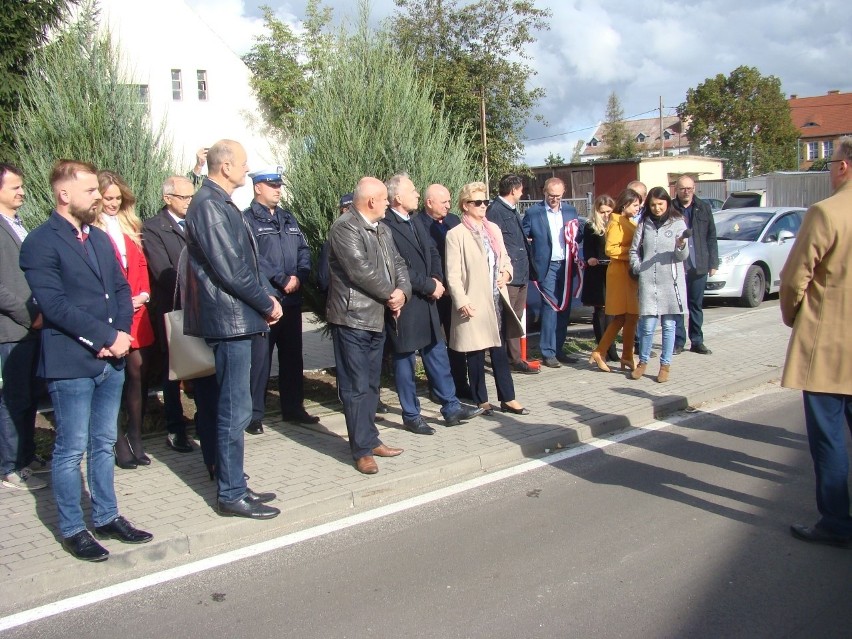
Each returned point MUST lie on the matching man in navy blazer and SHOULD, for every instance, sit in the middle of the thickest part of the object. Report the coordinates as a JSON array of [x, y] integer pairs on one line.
[[544, 225], [84, 298]]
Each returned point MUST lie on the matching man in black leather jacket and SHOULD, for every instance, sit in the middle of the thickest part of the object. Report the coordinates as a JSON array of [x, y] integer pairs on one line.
[[368, 280], [226, 302], [703, 261]]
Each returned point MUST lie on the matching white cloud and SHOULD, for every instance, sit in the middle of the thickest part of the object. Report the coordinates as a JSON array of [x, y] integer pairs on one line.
[[639, 50]]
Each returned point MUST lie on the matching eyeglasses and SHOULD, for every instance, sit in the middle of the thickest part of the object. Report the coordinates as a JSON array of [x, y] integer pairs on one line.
[[478, 202], [182, 198], [686, 189], [827, 162], [552, 197]]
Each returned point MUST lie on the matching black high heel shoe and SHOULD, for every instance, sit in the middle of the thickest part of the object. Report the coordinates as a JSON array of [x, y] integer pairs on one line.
[[515, 411], [125, 465], [143, 459]]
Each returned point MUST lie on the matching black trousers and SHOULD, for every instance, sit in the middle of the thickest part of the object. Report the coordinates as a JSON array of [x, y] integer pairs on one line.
[[502, 374], [286, 334], [358, 360]]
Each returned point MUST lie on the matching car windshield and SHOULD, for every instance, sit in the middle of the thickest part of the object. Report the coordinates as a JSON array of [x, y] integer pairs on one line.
[[740, 226]]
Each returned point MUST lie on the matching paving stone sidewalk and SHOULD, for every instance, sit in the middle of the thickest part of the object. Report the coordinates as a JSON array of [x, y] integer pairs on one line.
[[312, 471]]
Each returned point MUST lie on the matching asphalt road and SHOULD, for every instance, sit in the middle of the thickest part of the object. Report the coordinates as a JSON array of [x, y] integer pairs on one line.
[[679, 532]]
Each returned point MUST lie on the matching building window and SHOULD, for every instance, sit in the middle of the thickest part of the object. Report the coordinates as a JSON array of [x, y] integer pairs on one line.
[[177, 85], [142, 94], [813, 150], [593, 142], [202, 84], [828, 149], [667, 135], [640, 138]]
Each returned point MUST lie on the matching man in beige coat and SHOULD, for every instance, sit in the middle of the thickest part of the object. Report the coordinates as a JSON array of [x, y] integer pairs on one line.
[[816, 300]]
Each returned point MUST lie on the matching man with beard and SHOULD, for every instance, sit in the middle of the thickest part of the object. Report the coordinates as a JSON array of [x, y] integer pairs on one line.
[[84, 298]]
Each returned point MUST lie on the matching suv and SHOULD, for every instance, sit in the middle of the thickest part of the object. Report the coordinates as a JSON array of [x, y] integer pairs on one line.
[[745, 199]]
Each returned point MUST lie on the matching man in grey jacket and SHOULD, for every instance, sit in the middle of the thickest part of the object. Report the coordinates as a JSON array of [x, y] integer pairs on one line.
[[368, 280], [19, 320], [226, 302]]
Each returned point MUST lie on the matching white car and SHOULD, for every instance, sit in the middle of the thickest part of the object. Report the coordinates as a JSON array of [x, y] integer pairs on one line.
[[753, 246]]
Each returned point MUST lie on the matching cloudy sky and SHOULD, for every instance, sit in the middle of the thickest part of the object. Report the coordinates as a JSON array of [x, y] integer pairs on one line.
[[641, 50]]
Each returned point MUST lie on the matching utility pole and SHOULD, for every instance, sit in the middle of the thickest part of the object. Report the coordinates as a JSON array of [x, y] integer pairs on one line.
[[484, 139], [662, 146]]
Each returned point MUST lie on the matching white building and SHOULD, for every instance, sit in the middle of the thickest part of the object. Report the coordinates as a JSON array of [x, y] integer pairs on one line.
[[191, 80]]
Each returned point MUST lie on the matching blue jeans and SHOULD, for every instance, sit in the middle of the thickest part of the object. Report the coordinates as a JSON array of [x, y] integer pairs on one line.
[[825, 414], [695, 305], [437, 365], [358, 358], [554, 326], [17, 404], [233, 413], [86, 412], [647, 326]]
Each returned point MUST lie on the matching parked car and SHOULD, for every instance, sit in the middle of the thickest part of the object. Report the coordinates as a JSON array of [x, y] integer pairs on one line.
[[715, 205], [753, 246], [742, 199]]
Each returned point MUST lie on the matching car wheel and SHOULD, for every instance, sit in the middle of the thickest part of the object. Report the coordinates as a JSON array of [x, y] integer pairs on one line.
[[754, 287]]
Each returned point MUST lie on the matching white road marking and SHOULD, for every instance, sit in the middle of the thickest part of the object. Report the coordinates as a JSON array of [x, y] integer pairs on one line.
[[117, 590]]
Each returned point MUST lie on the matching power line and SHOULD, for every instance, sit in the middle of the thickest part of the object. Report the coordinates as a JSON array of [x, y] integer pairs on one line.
[[593, 126]]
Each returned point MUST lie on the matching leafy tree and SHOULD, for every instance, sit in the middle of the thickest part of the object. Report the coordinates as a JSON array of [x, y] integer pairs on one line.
[[24, 26], [620, 145], [554, 160], [81, 105], [284, 62], [469, 49], [577, 152], [820, 164], [743, 118], [390, 125]]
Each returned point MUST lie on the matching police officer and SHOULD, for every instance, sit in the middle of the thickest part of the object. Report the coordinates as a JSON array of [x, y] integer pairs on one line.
[[285, 260]]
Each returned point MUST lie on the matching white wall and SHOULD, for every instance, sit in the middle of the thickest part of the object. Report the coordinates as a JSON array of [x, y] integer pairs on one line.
[[156, 36]]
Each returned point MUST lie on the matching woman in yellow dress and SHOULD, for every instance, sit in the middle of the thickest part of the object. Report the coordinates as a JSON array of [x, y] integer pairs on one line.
[[622, 289]]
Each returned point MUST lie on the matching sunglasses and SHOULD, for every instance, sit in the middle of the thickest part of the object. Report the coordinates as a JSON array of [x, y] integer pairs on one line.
[[478, 202]]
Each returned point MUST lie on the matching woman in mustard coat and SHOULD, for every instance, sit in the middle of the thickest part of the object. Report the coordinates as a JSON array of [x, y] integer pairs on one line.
[[622, 289]]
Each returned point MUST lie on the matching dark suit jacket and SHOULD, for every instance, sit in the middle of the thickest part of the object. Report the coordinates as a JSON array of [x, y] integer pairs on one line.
[[83, 308], [418, 324], [438, 231], [515, 239], [537, 230], [705, 250], [17, 310], [163, 240]]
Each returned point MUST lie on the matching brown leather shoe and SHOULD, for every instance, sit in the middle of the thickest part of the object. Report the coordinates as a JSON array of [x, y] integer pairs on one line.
[[383, 450], [367, 465]]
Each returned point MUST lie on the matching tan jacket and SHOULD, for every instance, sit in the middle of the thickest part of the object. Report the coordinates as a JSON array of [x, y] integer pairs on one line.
[[469, 283], [816, 298]]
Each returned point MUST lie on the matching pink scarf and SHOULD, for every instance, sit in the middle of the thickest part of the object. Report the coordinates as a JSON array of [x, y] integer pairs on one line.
[[495, 236]]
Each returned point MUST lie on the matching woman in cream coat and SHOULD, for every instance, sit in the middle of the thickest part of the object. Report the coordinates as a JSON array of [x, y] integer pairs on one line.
[[478, 270]]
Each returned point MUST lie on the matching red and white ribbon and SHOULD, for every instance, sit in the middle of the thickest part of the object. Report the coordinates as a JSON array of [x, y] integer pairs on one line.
[[572, 256]]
